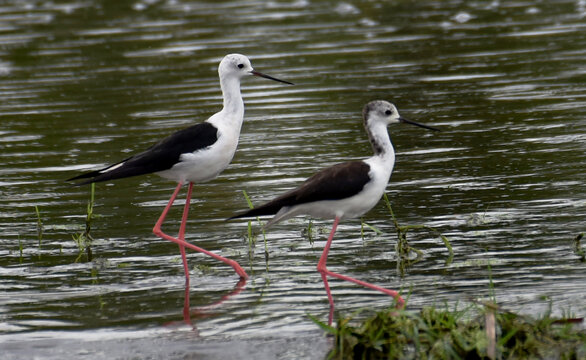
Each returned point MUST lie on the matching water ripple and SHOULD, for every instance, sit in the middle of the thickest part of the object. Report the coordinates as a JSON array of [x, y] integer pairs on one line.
[[85, 85]]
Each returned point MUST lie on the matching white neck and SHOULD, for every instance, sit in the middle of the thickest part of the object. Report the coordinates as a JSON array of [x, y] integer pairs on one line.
[[233, 103], [383, 160], [231, 117], [380, 141]]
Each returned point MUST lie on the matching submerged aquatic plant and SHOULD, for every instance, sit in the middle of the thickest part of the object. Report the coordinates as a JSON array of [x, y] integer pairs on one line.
[[40, 229], [84, 239], [404, 250], [365, 225], [252, 237], [577, 248], [20, 249], [310, 232], [407, 254]]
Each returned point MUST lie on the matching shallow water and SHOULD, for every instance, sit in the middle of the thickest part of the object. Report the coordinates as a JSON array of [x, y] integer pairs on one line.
[[86, 83]]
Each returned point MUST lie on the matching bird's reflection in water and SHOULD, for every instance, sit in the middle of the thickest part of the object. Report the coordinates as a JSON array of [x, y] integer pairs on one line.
[[191, 315]]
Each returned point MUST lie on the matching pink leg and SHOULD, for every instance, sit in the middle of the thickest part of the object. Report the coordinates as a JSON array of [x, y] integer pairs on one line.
[[184, 244], [330, 298], [181, 247], [321, 267], [182, 230]]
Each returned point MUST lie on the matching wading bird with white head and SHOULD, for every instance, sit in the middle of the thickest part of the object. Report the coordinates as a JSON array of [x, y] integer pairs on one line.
[[195, 154], [343, 191]]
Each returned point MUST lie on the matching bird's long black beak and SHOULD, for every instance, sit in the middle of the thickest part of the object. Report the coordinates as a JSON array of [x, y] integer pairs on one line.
[[256, 73], [402, 119]]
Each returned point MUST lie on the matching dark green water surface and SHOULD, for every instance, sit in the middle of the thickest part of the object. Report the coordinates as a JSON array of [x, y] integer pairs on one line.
[[87, 83]]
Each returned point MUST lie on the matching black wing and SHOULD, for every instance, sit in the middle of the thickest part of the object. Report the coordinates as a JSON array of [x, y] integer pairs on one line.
[[334, 183], [161, 156]]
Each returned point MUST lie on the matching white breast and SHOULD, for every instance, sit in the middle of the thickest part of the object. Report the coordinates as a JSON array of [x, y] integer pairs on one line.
[[207, 164]]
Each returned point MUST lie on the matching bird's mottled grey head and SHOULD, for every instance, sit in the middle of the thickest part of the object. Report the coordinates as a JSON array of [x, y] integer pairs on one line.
[[380, 111]]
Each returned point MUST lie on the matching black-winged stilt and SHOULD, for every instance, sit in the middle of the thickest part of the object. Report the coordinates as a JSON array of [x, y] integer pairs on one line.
[[346, 190], [196, 154]]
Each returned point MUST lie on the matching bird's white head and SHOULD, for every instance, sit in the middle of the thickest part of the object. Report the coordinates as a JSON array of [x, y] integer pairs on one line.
[[237, 66]]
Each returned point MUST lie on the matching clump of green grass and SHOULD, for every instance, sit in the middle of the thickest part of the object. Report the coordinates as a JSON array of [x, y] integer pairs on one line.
[[84, 239], [476, 332], [481, 330]]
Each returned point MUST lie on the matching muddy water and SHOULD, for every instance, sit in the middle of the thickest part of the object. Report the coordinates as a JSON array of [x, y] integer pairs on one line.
[[87, 83]]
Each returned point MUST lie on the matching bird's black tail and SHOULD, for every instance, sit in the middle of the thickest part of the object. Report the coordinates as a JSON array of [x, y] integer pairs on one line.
[[263, 210], [91, 176], [115, 171]]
